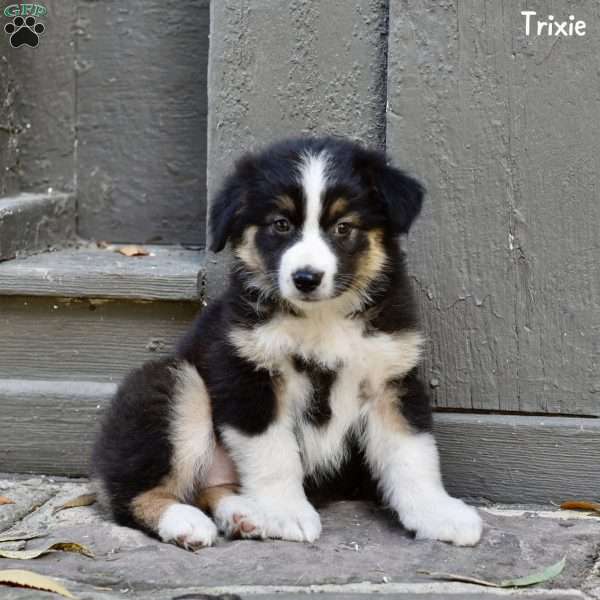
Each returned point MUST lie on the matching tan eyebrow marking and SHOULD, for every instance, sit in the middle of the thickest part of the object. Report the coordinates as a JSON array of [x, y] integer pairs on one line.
[[285, 203], [353, 218], [337, 208]]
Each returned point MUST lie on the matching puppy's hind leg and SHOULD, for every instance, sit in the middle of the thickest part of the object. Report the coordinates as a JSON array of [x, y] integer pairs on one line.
[[155, 443], [159, 510]]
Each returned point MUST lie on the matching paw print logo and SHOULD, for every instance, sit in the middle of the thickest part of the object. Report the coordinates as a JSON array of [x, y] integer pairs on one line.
[[24, 31]]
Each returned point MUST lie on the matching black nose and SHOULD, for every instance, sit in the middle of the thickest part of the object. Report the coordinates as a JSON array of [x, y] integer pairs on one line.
[[307, 280]]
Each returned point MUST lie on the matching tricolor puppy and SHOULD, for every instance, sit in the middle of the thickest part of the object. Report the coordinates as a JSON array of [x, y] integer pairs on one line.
[[315, 343]]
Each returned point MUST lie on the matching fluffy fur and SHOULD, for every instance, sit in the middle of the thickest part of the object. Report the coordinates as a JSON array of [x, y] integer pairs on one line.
[[310, 353]]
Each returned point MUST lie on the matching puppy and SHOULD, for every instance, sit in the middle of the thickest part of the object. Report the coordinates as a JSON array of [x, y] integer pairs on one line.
[[314, 343]]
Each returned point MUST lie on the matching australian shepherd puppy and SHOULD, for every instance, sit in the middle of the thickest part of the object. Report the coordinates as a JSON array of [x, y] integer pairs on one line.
[[314, 343]]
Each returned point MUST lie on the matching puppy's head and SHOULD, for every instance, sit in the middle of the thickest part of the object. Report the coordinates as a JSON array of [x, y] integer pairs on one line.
[[310, 219]]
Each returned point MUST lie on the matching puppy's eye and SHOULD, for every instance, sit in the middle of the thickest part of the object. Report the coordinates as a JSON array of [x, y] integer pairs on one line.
[[282, 226], [343, 229]]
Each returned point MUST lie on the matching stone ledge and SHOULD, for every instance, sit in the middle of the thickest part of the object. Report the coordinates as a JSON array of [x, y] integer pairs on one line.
[[31, 223], [168, 273], [362, 551]]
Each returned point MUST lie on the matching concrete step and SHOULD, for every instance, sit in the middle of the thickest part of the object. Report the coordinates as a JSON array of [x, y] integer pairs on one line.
[[87, 271], [91, 314], [31, 223]]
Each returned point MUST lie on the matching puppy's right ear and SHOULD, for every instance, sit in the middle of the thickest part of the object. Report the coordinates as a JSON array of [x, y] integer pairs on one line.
[[226, 208]]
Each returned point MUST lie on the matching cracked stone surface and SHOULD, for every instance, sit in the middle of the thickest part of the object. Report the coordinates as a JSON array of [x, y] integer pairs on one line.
[[362, 551]]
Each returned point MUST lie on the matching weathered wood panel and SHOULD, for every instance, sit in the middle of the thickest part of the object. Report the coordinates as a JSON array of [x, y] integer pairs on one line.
[[48, 426], [519, 459], [88, 272], [99, 340], [141, 122], [504, 129], [37, 112], [287, 68]]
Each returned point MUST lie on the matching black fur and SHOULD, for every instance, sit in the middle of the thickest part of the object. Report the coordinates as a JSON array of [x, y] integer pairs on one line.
[[386, 196], [411, 393], [321, 380], [133, 452]]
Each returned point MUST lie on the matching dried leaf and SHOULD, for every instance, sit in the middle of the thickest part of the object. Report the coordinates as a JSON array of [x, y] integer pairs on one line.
[[17, 536], [580, 505], [83, 500], [57, 546], [28, 579], [455, 577], [133, 250], [5, 500], [532, 579]]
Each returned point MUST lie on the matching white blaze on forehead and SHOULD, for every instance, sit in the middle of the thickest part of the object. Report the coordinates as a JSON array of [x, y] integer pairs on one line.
[[311, 251], [313, 173]]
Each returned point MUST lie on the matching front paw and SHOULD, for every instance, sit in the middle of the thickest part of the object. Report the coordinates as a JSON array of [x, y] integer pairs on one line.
[[240, 517], [446, 519], [292, 520]]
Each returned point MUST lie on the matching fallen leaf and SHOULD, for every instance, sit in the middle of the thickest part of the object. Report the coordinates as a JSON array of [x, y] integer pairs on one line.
[[456, 577], [532, 579], [133, 250], [580, 505], [17, 536], [5, 500], [57, 546], [83, 500], [28, 579]]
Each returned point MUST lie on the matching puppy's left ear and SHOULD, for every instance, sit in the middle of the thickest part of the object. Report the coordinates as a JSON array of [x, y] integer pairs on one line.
[[401, 194], [225, 210]]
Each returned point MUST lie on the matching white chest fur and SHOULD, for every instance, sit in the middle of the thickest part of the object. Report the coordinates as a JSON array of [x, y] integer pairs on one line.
[[360, 360]]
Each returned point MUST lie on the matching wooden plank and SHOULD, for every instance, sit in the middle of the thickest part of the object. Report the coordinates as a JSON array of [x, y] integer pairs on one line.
[[329, 75], [168, 273], [48, 426], [504, 129], [58, 338], [505, 458], [141, 100], [35, 222], [485, 457]]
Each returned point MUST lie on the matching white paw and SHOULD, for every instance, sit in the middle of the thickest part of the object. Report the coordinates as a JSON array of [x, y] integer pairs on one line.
[[186, 526], [446, 519], [292, 520], [240, 517]]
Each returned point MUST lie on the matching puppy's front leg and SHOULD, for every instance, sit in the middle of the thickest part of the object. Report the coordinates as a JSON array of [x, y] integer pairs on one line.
[[271, 477], [403, 455]]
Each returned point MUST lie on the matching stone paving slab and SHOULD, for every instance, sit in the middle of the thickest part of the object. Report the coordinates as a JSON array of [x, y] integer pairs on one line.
[[361, 552]]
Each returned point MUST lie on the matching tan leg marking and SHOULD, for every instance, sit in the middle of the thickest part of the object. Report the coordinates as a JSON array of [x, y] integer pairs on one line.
[[191, 431], [209, 498], [149, 506]]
